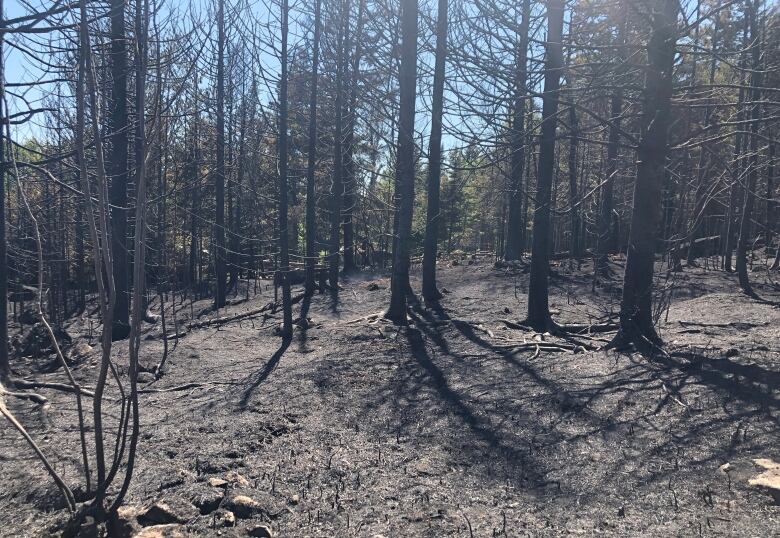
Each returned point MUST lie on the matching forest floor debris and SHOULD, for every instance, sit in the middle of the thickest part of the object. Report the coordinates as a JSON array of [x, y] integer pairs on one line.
[[460, 423]]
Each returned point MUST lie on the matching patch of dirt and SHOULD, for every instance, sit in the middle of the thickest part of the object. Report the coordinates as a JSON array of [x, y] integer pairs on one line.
[[359, 428]]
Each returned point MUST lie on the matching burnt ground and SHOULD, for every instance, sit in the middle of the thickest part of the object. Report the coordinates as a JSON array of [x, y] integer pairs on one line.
[[358, 428]]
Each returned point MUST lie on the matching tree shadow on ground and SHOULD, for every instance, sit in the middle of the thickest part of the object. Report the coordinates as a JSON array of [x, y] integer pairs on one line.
[[263, 374], [488, 407]]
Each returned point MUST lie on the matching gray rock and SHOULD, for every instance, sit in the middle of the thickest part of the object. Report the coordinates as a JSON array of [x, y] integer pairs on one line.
[[243, 507], [168, 511]]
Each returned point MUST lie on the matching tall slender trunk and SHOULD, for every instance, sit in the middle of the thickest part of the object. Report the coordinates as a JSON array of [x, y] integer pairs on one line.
[[349, 149], [311, 222], [574, 214], [429, 289], [756, 80], [219, 172], [139, 250], [636, 320], [284, 234], [538, 297], [399, 283], [515, 235], [337, 185], [735, 192], [771, 203], [5, 366], [606, 240], [118, 169], [702, 191]]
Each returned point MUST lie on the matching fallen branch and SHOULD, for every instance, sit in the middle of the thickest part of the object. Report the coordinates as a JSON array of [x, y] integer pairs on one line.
[[273, 305], [67, 493], [33, 397], [26, 384], [173, 389]]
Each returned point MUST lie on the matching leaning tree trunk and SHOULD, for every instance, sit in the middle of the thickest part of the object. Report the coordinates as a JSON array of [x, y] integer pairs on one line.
[[513, 247], [429, 289], [538, 297], [399, 284], [636, 320]]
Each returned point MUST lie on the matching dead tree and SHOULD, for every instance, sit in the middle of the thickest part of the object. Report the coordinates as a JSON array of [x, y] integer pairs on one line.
[[756, 81], [337, 184], [636, 319], [606, 239], [118, 169], [430, 291], [538, 297], [399, 284], [284, 234], [311, 165], [514, 236], [219, 172]]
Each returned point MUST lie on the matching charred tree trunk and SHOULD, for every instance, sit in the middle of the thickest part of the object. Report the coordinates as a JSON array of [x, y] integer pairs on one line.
[[429, 290], [538, 297], [756, 80], [515, 233], [284, 236], [118, 170], [574, 216], [337, 185], [735, 193], [5, 366], [606, 240], [219, 173], [311, 223], [399, 284], [636, 320], [349, 150]]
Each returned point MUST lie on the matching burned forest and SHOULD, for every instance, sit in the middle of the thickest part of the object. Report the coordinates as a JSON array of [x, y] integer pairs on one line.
[[383, 268]]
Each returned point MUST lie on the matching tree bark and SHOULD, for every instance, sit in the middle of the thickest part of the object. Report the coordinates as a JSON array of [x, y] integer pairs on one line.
[[399, 284], [284, 254], [349, 149], [118, 170], [756, 80], [5, 365], [219, 172], [430, 291], [538, 298], [311, 222], [515, 235], [606, 241], [337, 185], [636, 320]]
